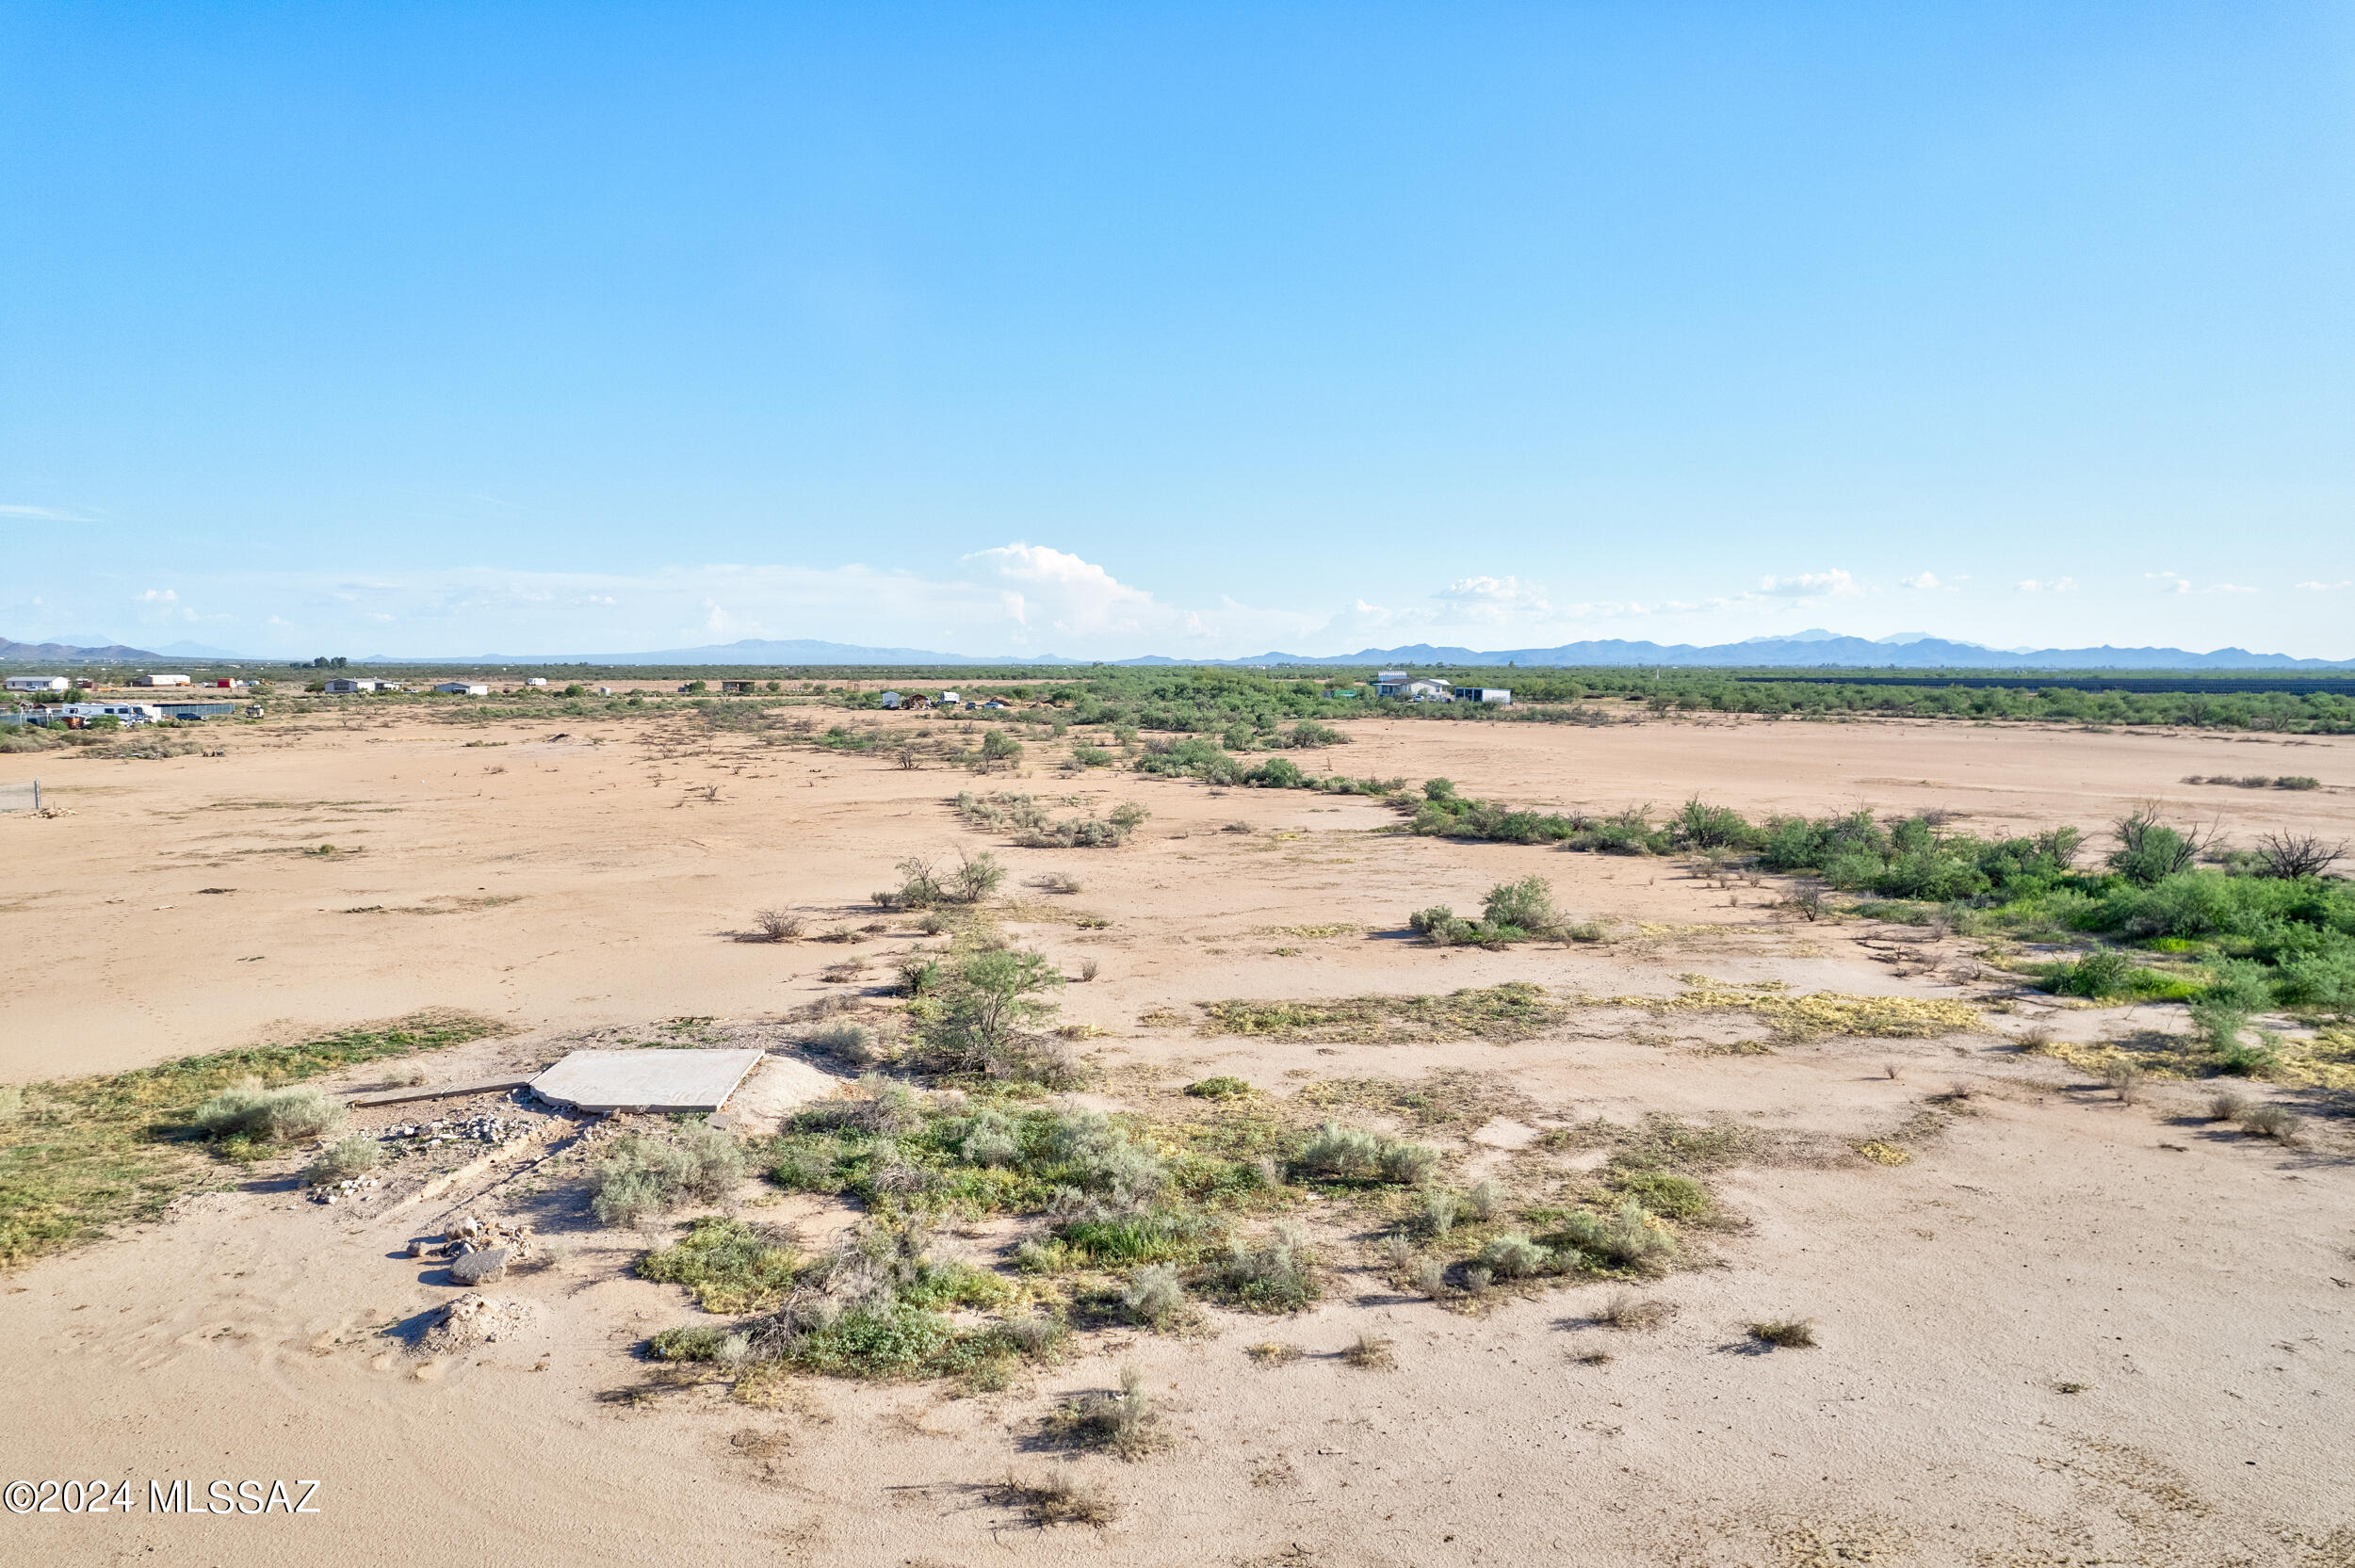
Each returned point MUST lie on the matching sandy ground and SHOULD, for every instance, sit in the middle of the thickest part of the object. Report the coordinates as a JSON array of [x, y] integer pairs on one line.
[[2193, 1287]]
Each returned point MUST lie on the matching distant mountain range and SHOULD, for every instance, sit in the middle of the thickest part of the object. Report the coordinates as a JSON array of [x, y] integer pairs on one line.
[[1813, 649]]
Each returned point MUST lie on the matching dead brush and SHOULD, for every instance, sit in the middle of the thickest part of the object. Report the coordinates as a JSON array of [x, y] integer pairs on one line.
[[1370, 1353], [1059, 1500], [2276, 1122], [777, 925], [1632, 1313], [2125, 1079], [2227, 1104], [1124, 1421], [1785, 1333], [1272, 1352]]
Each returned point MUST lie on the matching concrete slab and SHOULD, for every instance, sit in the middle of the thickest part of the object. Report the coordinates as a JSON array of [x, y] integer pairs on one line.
[[652, 1080]]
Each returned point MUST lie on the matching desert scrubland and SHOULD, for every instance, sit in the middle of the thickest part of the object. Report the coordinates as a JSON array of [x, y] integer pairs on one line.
[[1691, 1230]]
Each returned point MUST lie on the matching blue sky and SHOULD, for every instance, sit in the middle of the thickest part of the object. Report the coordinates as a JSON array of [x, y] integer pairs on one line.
[[1105, 330]]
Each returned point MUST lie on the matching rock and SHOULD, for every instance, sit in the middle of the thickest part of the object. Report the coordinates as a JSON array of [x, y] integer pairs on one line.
[[419, 1246], [480, 1267]]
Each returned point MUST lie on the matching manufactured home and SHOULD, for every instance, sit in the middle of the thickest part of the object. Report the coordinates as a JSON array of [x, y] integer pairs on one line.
[[1483, 694], [345, 687], [38, 683], [160, 680], [463, 688]]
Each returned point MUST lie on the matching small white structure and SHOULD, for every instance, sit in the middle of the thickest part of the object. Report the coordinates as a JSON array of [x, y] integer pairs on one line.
[[343, 686], [537, 680], [463, 688], [951, 699], [160, 680], [605, 692], [646, 1080], [38, 683], [888, 699], [1485, 694]]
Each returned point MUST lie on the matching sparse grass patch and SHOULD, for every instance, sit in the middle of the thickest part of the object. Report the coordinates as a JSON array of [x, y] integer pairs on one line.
[[1057, 1499], [85, 1154], [1218, 1088], [1630, 1312], [1513, 1010], [1370, 1353], [1813, 1015], [344, 1159], [727, 1266], [1272, 1352]]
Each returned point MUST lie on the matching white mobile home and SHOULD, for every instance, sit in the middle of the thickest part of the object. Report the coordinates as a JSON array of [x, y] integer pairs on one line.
[[463, 688], [38, 683], [1483, 694], [160, 680], [888, 699], [342, 687]]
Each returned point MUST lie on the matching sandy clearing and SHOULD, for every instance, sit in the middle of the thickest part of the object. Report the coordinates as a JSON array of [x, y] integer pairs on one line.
[[2189, 1279]]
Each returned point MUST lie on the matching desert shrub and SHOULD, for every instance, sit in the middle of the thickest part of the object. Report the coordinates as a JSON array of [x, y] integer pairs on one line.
[[1667, 1193], [1279, 1275], [1370, 1353], [1219, 1087], [987, 1008], [2125, 1079], [853, 1043], [1057, 881], [1627, 1310], [919, 886], [1785, 1333], [1485, 1199], [2297, 781], [1626, 1238], [777, 924], [879, 1109], [2099, 975], [2227, 1104], [1439, 1211], [1699, 826], [2270, 1120], [2150, 851], [709, 1343], [1527, 904], [1191, 758], [1125, 1422], [247, 1110], [1061, 1499], [1090, 756], [975, 879], [1154, 1295], [645, 1177], [726, 1265], [1351, 1154], [344, 1159], [1514, 1256], [2324, 982], [1277, 773]]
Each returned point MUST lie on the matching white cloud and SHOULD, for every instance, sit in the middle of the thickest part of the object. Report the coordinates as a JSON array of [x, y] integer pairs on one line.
[[1810, 585], [1489, 599], [43, 514], [2324, 587], [1051, 589], [2050, 585], [2231, 587], [2170, 582], [1921, 580]]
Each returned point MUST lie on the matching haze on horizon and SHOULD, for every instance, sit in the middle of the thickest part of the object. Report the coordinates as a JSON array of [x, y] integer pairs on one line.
[[1195, 331]]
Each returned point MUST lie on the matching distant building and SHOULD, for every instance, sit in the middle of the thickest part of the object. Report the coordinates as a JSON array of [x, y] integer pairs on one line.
[[950, 699], [887, 699], [1483, 694], [605, 692], [1412, 689], [38, 683], [160, 680], [345, 686], [737, 688], [537, 680], [463, 688]]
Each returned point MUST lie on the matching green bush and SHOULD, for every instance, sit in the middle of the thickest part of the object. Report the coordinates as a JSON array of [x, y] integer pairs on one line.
[[644, 1178], [345, 1158], [726, 1265], [247, 1110]]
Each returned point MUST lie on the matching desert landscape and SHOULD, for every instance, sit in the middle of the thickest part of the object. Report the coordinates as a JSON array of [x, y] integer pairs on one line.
[[1692, 1216]]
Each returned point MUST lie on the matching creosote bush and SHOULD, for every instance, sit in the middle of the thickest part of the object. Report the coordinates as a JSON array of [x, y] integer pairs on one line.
[[1348, 1153], [777, 924], [645, 1177], [1154, 1295], [1125, 1422]]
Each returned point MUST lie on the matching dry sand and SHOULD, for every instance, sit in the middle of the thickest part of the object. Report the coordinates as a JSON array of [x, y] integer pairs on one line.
[[2194, 1286]]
